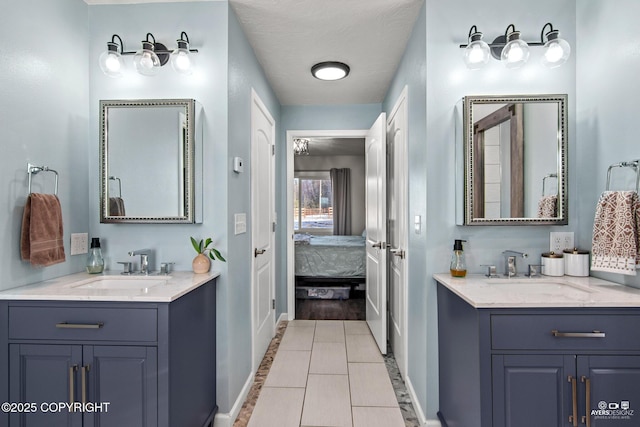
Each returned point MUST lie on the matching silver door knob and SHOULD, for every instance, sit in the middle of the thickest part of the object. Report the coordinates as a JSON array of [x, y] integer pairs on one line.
[[257, 252], [398, 252], [378, 245]]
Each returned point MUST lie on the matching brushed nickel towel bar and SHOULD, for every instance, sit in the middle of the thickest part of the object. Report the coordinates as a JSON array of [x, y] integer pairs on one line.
[[33, 170]]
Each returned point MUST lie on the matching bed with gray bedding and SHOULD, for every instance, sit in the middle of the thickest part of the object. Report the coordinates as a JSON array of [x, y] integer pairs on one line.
[[330, 257]]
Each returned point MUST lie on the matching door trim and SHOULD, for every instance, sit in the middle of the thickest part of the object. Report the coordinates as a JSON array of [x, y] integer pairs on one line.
[[291, 134]]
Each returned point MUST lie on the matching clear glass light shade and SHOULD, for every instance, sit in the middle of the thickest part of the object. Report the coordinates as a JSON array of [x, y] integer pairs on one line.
[[515, 53], [111, 63], [476, 54], [301, 146], [182, 61], [146, 62], [556, 53]]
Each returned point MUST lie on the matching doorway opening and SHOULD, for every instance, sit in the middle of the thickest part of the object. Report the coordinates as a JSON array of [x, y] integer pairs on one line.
[[326, 220]]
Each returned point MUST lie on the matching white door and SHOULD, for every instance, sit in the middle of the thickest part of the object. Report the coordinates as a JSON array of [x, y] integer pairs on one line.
[[262, 231], [397, 232], [376, 224]]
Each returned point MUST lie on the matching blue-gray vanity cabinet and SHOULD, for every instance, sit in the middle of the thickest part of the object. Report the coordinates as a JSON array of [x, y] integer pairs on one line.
[[154, 363], [505, 367]]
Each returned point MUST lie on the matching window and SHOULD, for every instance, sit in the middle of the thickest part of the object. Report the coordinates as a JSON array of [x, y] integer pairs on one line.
[[312, 202]]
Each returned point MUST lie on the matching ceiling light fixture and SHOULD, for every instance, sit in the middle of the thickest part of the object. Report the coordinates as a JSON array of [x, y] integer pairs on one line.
[[148, 60], [301, 146], [514, 52], [330, 70]]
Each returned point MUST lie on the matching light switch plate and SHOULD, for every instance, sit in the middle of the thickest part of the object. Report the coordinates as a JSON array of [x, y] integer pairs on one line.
[[561, 240], [240, 221], [79, 243]]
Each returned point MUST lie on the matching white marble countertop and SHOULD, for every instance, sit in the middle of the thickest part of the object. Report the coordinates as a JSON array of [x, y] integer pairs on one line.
[[111, 287], [540, 292]]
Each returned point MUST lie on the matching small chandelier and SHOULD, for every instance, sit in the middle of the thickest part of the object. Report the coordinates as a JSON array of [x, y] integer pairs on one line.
[[301, 146]]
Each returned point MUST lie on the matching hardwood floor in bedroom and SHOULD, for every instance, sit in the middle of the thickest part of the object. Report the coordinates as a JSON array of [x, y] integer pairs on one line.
[[330, 309]]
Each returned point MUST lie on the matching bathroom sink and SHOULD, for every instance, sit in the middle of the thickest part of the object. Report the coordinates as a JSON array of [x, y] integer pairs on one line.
[[122, 283], [546, 286]]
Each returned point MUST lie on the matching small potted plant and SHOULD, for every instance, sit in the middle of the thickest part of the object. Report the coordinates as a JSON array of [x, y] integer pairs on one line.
[[201, 263]]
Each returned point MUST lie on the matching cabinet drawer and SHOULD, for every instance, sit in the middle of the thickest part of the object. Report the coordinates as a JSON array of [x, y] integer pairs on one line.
[[83, 323], [572, 332]]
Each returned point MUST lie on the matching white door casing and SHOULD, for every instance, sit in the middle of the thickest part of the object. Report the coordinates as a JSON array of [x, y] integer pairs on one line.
[[398, 229], [376, 225], [262, 230]]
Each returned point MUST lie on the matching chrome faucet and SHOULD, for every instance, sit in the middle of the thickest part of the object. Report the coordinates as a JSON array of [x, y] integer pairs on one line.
[[144, 259], [510, 266]]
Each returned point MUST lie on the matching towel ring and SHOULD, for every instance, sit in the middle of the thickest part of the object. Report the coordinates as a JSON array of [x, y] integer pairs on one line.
[[33, 170], [633, 164], [115, 178], [550, 175]]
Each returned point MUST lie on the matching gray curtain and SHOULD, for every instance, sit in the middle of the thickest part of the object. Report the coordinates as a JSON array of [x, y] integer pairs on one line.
[[341, 190]]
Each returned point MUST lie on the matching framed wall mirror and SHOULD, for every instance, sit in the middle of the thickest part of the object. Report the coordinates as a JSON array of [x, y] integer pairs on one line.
[[150, 161], [515, 162]]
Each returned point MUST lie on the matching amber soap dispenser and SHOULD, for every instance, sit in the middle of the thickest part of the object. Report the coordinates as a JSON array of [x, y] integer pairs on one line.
[[458, 266]]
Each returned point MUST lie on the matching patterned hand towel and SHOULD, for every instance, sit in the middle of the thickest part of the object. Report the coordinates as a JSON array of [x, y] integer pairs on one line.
[[41, 235], [616, 233], [547, 206]]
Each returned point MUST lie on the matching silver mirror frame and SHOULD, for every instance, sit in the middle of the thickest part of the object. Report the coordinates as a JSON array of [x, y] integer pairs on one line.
[[562, 170], [190, 183]]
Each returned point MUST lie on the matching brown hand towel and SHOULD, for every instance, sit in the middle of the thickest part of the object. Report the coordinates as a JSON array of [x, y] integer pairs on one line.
[[116, 206], [41, 237], [616, 233]]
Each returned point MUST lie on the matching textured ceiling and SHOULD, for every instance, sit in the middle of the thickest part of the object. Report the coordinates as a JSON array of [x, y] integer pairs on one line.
[[289, 36]]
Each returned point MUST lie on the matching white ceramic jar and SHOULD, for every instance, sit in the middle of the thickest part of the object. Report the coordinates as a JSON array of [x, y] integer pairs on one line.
[[576, 262], [552, 264]]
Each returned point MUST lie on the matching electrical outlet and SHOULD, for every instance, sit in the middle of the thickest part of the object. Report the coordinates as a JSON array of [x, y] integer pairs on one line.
[[79, 243], [559, 241]]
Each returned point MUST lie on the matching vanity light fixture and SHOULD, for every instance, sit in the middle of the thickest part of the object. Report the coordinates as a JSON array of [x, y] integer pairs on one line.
[[514, 52], [148, 60], [301, 146], [477, 52], [330, 70]]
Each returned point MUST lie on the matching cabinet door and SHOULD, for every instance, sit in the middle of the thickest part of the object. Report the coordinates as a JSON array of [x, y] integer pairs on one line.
[[532, 391], [44, 374], [612, 386], [126, 378]]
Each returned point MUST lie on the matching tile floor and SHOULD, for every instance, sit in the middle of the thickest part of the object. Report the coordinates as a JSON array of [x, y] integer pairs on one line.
[[325, 373]]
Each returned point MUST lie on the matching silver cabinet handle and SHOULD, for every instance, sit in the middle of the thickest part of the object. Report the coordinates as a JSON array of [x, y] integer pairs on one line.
[[65, 325], [586, 419], [72, 383], [594, 334], [83, 374], [257, 252], [573, 419], [398, 252]]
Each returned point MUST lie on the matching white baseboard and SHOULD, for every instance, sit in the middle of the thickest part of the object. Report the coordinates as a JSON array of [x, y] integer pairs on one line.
[[414, 400], [283, 316], [433, 423], [227, 419]]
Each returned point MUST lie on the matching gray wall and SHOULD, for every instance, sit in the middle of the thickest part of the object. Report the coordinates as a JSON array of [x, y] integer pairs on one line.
[[357, 167], [445, 25], [44, 109], [608, 60]]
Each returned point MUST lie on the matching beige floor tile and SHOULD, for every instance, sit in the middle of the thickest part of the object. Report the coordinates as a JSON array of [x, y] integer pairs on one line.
[[356, 327], [326, 402], [370, 385], [289, 369], [329, 331], [301, 323], [329, 358], [298, 338], [377, 417], [278, 407], [362, 348]]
